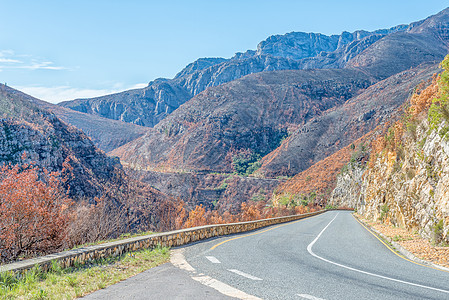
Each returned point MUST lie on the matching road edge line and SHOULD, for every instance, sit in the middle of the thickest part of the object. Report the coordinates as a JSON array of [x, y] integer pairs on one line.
[[309, 249], [406, 255], [178, 260]]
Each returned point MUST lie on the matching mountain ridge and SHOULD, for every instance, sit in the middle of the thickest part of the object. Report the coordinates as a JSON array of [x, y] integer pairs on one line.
[[129, 106]]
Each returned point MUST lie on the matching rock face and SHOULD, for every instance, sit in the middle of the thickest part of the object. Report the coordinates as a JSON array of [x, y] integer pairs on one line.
[[382, 53], [250, 114], [406, 182], [412, 192], [49, 142], [300, 45]]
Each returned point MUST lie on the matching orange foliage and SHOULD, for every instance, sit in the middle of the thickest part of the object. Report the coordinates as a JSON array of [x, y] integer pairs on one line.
[[398, 132], [196, 217], [249, 212], [213, 217], [34, 213], [421, 101]]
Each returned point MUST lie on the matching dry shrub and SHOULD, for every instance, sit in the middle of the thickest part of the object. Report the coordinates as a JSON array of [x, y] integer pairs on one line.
[[34, 212], [421, 100], [98, 221], [196, 217]]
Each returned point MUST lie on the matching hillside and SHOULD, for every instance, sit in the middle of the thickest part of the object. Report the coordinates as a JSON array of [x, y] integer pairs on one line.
[[338, 127], [248, 116], [49, 142], [222, 192], [319, 180], [106, 134], [405, 182]]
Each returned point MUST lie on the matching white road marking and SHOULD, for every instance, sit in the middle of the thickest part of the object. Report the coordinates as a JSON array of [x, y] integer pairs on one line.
[[213, 260], [244, 274], [309, 249], [309, 297], [224, 288], [178, 260]]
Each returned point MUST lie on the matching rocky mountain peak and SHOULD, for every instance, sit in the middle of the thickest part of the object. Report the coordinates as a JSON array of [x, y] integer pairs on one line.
[[436, 25], [200, 64]]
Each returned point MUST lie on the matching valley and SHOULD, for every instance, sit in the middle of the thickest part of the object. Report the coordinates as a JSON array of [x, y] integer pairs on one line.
[[305, 122]]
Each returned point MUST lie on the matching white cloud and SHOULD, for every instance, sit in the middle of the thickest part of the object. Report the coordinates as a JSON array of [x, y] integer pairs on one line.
[[139, 86], [46, 65], [62, 93], [10, 60]]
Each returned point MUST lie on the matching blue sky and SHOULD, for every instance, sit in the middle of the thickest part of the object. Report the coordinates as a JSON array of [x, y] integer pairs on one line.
[[60, 50]]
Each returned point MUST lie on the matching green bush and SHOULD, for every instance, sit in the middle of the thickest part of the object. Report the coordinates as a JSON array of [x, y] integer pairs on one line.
[[439, 110], [384, 209], [246, 163]]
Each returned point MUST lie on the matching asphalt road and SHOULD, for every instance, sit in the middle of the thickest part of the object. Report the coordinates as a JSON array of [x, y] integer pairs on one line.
[[329, 256]]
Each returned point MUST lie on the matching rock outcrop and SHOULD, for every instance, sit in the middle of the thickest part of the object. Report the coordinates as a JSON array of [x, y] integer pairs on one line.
[[410, 191], [406, 182], [29, 133]]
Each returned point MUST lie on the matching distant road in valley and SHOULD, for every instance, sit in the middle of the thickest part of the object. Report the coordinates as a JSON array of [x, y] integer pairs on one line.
[[329, 256]]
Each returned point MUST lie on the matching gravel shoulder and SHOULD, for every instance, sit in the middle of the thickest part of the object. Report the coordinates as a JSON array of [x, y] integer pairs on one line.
[[416, 247]]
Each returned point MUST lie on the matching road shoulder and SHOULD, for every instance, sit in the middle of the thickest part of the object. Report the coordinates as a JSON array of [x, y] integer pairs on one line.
[[163, 282], [411, 246]]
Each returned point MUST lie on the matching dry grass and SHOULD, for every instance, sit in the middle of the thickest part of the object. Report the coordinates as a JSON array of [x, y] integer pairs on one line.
[[79, 281]]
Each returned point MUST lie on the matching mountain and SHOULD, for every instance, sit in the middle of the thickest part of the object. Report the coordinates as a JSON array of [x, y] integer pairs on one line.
[[106, 134], [379, 54], [296, 50], [320, 110], [26, 128], [340, 126], [252, 114]]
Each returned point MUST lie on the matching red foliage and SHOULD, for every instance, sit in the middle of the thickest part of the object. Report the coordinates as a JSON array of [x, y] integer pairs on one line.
[[34, 211]]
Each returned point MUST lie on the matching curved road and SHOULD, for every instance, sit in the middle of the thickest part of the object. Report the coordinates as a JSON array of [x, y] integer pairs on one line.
[[329, 256]]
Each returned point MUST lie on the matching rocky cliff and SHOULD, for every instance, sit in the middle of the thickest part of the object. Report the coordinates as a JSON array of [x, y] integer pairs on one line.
[[406, 182], [29, 133]]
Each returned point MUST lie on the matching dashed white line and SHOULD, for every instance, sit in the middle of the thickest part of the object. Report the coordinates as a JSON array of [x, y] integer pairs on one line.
[[224, 288], [213, 259], [305, 296], [244, 274], [178, 260], [309, 249]]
